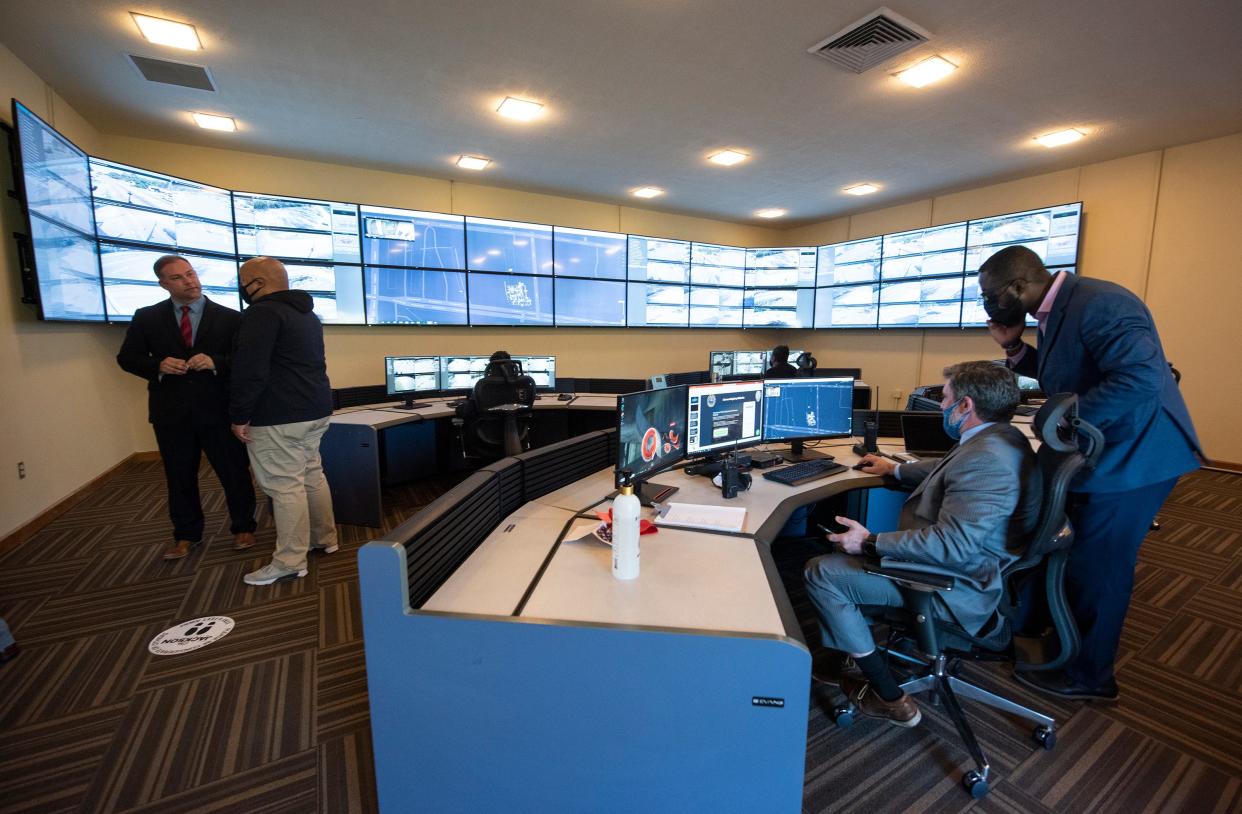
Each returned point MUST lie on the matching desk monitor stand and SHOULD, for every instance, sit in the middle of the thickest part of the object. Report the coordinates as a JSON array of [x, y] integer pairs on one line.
[[410, 404], [797, 452], [649, 493]]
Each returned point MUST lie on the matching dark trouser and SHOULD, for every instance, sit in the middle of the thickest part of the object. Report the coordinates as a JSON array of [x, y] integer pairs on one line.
[[1109, 527], [181, 447]]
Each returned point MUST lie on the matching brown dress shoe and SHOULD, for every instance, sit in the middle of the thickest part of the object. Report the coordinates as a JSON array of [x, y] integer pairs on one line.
[[903, 711], [180, 549], [243, 540]]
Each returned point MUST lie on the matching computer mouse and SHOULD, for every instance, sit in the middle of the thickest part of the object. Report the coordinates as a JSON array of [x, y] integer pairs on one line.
[[564, 397], [858, 465]]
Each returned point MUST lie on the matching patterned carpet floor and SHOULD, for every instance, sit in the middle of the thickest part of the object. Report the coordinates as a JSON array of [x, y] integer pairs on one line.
[[274, 717]]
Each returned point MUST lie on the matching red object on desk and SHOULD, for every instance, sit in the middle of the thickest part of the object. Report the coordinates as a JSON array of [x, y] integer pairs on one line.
[[644, 526]]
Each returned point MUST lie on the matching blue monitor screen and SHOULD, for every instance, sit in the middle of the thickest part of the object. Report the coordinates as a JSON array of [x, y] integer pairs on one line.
[[540, 368], [651, 428], [415, 297], [55, 178], [723, 415], [658, 260], [159, 210], [461, 372], [808, 408], [583, 253], [130, 282], [590, 302], [401, 237], [649, 304], [411, 374], [296, 228], [336, 290], [505, 246], [510, 299]]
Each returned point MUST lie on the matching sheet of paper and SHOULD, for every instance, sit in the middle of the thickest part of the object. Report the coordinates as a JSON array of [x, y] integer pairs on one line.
[[701, 516]]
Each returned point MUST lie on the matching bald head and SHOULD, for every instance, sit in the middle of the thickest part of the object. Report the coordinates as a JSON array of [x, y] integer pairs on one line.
[[261, 276]]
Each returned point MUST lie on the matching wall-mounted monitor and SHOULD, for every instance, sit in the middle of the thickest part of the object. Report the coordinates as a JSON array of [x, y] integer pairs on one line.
[[586, 253], [130, 282], [723, 415], [779, 307], [712, 265], [716, 307], [336, 290], [148, 208], [651, 430], [510, 299], [415, 296], [590, 302], [781, 268], [808, 408], [508, 246], [658, 260], [296, 228], [857, 261], [54, 181], [410, 239], [658, 305]]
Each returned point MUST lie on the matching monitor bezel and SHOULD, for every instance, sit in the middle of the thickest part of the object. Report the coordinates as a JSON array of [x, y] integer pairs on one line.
[[404, 393]]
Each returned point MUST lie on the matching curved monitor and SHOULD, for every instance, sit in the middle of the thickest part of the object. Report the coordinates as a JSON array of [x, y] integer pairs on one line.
[[651, 430]]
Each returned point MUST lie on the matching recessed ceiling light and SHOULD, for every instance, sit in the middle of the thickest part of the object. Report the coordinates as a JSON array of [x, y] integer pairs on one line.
[[473, 162], [207, 121], [772, 213], [1061, 137], [930, 70], [861, 189], [728, 158], [167, 32], [646, 192], [520, 109]]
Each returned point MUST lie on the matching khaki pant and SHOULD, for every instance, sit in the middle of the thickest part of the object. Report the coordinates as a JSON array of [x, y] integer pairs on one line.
[[285, 460]]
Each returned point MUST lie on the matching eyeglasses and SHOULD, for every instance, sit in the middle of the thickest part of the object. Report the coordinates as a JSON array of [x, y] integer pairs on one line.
[[992, 298]]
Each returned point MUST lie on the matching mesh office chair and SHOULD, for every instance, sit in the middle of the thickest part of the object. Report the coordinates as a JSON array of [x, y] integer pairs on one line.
[[499, 423], [1067, 445], [806, 364]]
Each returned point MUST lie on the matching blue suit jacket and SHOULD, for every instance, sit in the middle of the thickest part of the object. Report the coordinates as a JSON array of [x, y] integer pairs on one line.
[[1101, 343]]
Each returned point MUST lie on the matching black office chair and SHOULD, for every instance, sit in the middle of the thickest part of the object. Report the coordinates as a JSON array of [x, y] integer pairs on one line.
[[806, 364], [1068, 445], [497, 420]]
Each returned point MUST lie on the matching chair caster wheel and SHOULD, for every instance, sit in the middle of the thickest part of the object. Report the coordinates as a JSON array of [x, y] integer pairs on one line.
[[1044, 737], [975, 785], [843, 716]]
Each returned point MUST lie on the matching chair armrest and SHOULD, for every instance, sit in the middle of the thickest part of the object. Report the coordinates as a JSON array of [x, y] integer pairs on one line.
[[916, 580]]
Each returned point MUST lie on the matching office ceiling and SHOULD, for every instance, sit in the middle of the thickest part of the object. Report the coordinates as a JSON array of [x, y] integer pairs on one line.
[[639, 91]]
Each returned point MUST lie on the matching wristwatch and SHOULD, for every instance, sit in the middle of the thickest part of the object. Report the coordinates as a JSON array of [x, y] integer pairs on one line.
[[869, 546]]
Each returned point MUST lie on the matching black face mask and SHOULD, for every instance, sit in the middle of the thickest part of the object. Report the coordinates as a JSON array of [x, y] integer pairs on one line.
[[246, 293], [1009, 312]]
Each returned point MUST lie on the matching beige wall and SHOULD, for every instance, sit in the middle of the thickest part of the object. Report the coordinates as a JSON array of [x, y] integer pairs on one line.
[[1159, 223]]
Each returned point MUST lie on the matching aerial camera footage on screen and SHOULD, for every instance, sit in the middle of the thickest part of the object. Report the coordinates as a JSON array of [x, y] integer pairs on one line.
[[411, 374], [652, 429]]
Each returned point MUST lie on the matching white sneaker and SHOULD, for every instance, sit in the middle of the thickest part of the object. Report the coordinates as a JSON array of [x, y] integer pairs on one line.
[[326, 549], [272, 573]]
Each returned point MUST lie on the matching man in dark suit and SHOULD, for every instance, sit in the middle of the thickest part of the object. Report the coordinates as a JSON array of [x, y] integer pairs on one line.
[[1098, 340], [968, 517], [182, 346]]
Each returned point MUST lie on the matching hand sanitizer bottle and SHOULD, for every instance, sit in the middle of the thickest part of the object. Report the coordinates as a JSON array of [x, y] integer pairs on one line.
[[625, 508]]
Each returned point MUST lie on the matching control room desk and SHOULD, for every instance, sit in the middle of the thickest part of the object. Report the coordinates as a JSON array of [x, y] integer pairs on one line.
[[363, 444], [533, 680]]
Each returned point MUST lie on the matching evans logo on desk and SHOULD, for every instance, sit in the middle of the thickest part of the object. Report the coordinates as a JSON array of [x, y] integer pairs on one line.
[[765, 701]]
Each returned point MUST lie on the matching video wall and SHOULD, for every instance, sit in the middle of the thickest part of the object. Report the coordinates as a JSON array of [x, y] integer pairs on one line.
[[97, 226]]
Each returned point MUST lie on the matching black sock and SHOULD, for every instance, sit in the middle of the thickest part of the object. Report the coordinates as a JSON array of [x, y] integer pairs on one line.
[[875, 668]]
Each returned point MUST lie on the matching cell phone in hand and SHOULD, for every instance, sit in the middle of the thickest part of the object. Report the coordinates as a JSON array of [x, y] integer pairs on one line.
[[840, 529]]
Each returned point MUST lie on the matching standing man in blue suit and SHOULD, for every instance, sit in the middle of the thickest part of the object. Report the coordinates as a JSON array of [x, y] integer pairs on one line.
[[1098, 340]]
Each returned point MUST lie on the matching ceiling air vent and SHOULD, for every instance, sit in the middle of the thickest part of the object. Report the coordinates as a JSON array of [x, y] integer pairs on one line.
[[166, 72], [876, 38]]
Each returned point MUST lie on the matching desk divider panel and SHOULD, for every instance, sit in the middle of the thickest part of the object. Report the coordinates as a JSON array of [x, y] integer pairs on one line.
[[512, 485], [547, 469], [358, 396]]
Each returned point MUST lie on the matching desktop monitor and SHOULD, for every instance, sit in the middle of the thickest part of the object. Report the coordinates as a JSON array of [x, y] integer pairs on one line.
[[651, 429], [461, 372], [407, 375], [542, 369], [723, 415], [799, 409]]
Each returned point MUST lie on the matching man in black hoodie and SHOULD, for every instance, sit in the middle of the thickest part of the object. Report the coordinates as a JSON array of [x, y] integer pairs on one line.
[[280, 404]]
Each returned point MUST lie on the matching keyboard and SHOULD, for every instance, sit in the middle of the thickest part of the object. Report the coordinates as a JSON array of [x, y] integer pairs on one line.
[[801, 473]]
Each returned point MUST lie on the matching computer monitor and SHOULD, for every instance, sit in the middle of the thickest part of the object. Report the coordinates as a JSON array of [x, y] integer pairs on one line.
[[742, 362], [540, 368], [723, 415], [407, 375], [651, 434], [799, 409], [461, 372]]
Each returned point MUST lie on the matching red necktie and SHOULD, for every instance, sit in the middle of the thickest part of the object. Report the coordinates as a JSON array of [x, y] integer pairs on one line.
[[187, 332]]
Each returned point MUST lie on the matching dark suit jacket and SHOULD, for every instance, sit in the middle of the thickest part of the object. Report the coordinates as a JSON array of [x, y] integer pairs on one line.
[[969, 517], [1101, 343], [197, 397]]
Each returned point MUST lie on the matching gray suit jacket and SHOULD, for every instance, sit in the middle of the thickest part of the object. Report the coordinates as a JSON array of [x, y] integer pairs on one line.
[[968, 517]]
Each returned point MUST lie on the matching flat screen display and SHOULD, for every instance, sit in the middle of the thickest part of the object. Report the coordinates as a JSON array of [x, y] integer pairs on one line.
[[130, 282], [145, 207], [540, 368], [403, 237], [779, 307], [657, 260], [651, 428], [739, 362], [784, 267], [584, 253], [657, 305], [336, 290], [411, 374], [857, 261], [509, 247], [590, 302], [808, 408], [717, 265], [56, 184], [723, 415], [716, 307], [461, 372], [510, 299], [415, 297], [847, 307], [296, 228]]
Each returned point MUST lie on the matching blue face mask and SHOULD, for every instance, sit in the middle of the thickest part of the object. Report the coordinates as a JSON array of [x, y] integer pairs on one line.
[[952, 428]]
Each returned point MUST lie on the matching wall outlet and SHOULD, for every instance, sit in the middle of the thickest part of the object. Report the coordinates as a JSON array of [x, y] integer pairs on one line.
[[21, 470], [896, 395]]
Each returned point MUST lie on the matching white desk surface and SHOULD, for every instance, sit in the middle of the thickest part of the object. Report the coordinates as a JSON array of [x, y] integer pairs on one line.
[[381, 416]]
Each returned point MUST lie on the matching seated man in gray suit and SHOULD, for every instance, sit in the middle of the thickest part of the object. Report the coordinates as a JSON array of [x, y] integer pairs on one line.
[[968, 516]]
